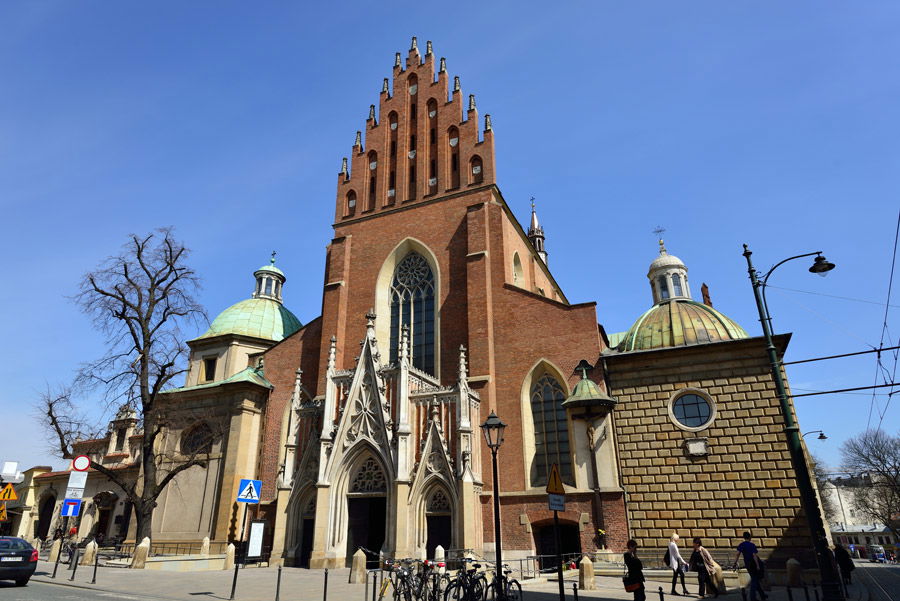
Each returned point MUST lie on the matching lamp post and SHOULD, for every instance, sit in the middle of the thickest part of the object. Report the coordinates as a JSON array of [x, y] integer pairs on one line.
[[831, 588], [493, 434]]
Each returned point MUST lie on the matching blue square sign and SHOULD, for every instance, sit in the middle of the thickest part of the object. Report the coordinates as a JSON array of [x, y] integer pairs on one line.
[[70, 508], [248, 491]]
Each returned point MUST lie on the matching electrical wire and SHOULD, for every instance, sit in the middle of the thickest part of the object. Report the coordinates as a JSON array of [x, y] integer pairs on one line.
[[846, 298], [879, 366]]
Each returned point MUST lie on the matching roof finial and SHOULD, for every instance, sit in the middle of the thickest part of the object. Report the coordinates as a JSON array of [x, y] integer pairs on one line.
[[487, 122], [463, 368], [415, 45], [427, 47], [471, 102], [372, 111], [384, 86], [456, 83], [396, 59], [272, 260], [332, 351], [659, 231], [358, 141], [443, 68], [344, 166], [404, 343]]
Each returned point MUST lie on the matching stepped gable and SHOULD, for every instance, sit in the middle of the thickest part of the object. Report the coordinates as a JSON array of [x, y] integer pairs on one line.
[[423, 142]]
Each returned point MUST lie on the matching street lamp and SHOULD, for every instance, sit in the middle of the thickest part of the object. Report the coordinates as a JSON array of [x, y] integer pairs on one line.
[[821, 435], [831, 588], [493, 433]]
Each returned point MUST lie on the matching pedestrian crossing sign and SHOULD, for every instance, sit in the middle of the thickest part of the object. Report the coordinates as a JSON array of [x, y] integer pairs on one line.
[[248, 491]]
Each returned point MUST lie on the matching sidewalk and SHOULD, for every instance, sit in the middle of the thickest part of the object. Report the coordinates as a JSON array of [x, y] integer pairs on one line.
[[258, 584]]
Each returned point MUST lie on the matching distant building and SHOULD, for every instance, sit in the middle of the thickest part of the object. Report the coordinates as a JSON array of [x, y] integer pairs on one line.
[[849, 525], [439, 307]]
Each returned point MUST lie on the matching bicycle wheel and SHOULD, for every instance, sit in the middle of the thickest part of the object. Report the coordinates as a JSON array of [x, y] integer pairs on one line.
[[513, 590], [454, 592]]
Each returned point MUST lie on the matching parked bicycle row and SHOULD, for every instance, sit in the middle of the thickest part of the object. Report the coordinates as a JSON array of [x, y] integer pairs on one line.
[[424, 580]]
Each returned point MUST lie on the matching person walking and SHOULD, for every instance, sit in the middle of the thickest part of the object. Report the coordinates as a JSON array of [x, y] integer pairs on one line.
[[754, 566], [635, 570], [702, 563], [845, 563], [677, 563]]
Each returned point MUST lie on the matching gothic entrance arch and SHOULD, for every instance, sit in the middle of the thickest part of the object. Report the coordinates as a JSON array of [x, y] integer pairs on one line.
[[45, 516], [366, 510], [438, 521]]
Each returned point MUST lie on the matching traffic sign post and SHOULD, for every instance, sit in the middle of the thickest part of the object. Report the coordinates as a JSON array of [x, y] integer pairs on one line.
[[557, 499], [248, 493]]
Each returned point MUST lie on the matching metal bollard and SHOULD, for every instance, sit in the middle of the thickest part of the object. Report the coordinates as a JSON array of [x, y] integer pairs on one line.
[[790, 594], [816, 590], [374, 584], [96, 561], [278, 586], [806, 592], [325, 588], [575, 590], [366, 592], [662, 595], [74, 561], [743, 594], [56, 565]]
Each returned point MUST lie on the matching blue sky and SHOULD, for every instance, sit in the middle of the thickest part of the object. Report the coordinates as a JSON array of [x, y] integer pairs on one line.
[[769, 123]]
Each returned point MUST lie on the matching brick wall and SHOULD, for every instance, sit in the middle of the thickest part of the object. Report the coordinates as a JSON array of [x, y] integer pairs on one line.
[[745, 482]]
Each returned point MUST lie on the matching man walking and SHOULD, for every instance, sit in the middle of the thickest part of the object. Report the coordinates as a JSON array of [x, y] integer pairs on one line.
[[754, 566]]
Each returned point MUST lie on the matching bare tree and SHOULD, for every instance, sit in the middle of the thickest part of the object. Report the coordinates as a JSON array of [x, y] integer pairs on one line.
[[138, 299], [876, 454]]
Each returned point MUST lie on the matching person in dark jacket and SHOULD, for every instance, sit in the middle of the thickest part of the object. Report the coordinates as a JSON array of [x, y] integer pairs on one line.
[[844, 561], [702, 563], [635, 570]]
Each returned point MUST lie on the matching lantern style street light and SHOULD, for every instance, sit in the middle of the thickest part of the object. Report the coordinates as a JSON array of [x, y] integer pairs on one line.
[[821, 435], [831, 588], [493, 433]]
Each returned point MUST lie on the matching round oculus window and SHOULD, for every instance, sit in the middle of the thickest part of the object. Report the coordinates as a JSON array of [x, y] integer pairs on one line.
[[692, 411]]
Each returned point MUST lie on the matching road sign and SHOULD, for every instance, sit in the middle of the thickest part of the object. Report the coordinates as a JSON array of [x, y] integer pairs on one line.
[[81, 463], [8, 493], [3, 516], [77, 480], [557, 502], [70, 508], [74, 493], [554, 483], [248, 491]]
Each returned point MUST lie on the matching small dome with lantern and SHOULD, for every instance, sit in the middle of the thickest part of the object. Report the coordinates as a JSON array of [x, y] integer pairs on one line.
[[261, 316], [675, 319]]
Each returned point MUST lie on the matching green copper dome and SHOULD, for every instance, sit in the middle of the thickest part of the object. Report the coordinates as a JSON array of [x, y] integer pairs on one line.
[[256, 317], [679, 322]]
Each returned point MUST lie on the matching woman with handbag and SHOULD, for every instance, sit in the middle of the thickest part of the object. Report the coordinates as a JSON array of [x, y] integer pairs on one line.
[[634, 579], [702, 563], [677, 563]]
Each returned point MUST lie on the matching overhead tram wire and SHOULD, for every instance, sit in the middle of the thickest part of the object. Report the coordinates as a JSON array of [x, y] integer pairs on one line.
[[846, 298], [884, 330]]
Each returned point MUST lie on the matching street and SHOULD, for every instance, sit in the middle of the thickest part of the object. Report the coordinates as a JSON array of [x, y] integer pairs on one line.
[[40, 591], [883, 580]]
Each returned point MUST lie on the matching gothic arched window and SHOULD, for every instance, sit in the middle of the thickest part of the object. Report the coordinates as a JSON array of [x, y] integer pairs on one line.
[[551, 432], [412, 305]]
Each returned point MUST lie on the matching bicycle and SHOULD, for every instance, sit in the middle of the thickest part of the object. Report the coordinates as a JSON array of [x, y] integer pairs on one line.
[[504, 588], [469, 585]]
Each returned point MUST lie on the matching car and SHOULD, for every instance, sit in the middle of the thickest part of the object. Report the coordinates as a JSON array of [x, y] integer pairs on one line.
[[876, 554], [18, 560]]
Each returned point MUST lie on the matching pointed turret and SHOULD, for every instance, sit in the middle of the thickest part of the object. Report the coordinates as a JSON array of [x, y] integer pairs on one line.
[[536, 234]]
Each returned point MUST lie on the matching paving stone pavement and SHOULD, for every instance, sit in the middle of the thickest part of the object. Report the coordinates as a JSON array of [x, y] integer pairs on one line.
[[258, 584]]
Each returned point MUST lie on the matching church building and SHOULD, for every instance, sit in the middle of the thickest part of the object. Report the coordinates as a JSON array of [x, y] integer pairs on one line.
[[438, 308]]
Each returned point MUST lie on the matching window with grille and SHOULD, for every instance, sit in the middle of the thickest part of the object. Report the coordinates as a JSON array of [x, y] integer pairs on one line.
[[412, 305], [551, 432]]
